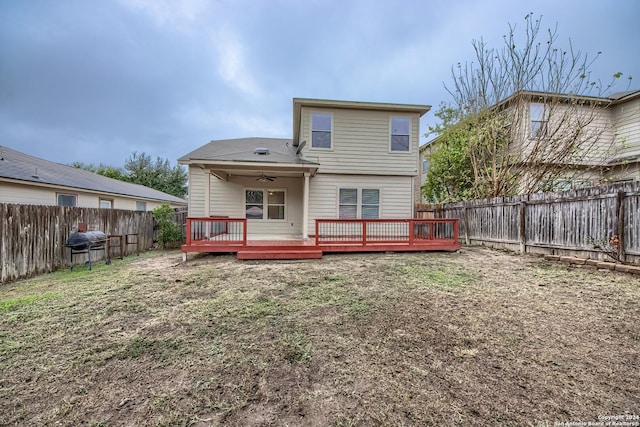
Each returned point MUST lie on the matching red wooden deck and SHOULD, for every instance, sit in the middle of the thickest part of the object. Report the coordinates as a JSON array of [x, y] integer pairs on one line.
[[229, 235]]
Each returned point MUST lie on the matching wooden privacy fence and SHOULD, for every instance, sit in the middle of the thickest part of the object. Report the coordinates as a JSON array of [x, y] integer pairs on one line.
[[565, 223], [32, 237]]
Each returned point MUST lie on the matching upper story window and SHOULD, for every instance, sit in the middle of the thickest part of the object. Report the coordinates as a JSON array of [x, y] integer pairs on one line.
[[425, 165], [400, 134], [321, 130], [539, 115], [67, 200]]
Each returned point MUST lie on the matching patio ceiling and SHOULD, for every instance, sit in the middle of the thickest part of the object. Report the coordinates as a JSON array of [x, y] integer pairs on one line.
[[224, 170]]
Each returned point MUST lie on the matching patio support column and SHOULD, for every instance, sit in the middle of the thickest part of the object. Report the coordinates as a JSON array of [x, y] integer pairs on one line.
[[305, 207], [207, 193], [207, 201]]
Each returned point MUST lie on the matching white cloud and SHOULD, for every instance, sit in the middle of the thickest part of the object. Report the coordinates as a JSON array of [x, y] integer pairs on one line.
[[219, 123], [230, 57]]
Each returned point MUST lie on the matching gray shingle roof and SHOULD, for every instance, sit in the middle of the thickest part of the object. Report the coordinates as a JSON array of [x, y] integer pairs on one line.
[[628, 94], [23, 167], [243, 150]]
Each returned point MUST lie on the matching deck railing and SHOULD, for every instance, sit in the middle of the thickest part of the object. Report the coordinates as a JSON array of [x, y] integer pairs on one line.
[[382, 231], [216, 230]]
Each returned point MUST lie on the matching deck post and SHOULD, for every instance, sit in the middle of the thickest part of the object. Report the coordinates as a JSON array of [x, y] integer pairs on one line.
[[244, 232], [305, 207], [188, 231], [364, 233], [456, 230], [412, 231]]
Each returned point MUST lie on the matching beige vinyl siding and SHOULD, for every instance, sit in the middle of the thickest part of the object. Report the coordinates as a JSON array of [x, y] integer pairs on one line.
[[197, 182], [396, 198], [361, 143], [227, 199], [597, 145], [47, 195], [27, 194], [627, 128]]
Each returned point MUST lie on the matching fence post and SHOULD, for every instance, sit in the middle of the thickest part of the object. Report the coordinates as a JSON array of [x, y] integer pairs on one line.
[[466, 226], [523, 228], [620, 228]]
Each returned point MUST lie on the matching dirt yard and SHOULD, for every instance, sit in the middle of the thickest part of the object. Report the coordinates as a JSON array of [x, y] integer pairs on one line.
[[477, 337]]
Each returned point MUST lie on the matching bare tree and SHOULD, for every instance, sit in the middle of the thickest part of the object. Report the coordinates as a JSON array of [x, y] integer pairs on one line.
[[533, 114]]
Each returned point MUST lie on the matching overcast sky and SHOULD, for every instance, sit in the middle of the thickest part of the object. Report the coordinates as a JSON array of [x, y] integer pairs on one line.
[[95, 80]]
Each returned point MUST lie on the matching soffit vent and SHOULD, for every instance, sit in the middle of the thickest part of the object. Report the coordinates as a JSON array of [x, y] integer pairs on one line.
[[261, 151]]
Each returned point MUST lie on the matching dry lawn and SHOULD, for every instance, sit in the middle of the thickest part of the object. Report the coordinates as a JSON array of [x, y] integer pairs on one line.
[[471, 338]]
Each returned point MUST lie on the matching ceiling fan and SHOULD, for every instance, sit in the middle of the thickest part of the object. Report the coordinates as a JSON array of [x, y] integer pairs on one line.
[[265, 178]]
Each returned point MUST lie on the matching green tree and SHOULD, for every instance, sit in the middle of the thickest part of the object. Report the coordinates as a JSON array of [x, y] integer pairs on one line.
[[158, 174], [168, 231], [104, 170], [450, 174], [141, 169]]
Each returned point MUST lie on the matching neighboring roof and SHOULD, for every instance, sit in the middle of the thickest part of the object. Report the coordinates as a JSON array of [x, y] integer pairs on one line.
[[23, 167], [298, 103], [614, 98], [619, 97], [280, 151]]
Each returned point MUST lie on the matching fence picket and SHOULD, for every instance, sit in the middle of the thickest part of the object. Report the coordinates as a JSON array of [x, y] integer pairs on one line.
[[32, 237], [566, 223]]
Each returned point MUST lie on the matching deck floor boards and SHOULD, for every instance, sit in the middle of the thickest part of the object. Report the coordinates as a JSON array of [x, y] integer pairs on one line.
[[307, 249]]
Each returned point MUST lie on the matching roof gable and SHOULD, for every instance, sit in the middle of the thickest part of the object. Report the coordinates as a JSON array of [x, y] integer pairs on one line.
[[298, 103]]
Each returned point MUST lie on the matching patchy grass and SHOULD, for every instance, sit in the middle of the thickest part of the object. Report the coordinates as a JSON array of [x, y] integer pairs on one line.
[[471, 338], [13, 303]]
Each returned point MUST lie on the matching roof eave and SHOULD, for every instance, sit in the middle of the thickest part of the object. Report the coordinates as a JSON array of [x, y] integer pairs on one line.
[[87, 190]]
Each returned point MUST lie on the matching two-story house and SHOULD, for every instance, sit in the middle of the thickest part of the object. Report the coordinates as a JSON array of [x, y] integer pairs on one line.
[[346, 160], [581, 140]]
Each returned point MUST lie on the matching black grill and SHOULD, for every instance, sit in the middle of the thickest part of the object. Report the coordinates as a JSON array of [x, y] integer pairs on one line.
[[85, 243]]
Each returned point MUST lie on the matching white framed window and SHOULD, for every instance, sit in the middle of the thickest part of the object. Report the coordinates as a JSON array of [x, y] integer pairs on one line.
[[425, 165], [400, 134], [67, 199], [356, 203], [141, 206], [322, 130], [106, 203], [348, 203], [265, 204], [539, 118]]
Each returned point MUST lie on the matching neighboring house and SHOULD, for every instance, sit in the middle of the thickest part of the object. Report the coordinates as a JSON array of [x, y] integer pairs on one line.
[[611, 132], [25, 179], [346, 160], [425, 151]]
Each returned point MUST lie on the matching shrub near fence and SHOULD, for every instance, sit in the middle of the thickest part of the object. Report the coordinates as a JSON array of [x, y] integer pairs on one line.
[[564, 223], [32, 237]]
